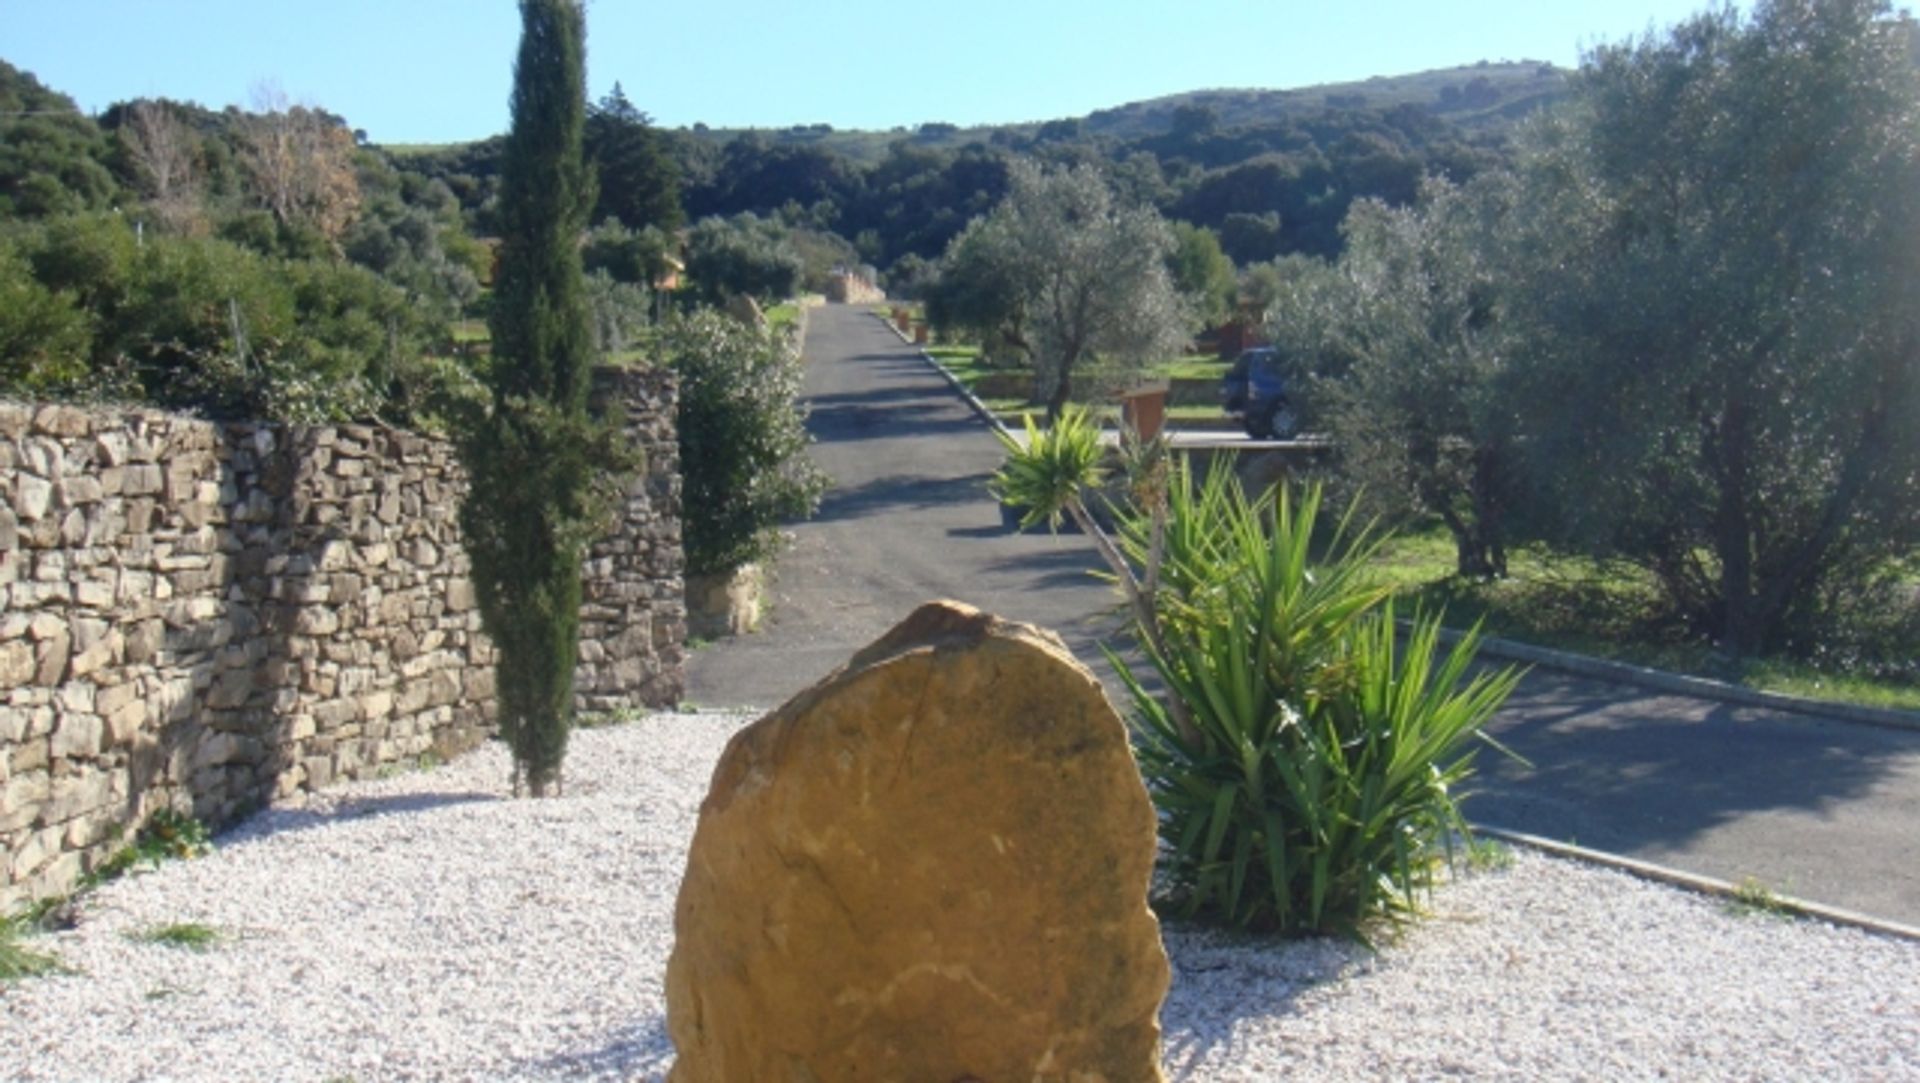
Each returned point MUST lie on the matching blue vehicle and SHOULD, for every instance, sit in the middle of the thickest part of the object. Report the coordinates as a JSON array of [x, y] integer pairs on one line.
[[1254, 391]]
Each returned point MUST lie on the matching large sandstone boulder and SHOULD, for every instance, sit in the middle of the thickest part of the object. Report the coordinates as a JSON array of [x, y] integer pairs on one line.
[[930, 867]]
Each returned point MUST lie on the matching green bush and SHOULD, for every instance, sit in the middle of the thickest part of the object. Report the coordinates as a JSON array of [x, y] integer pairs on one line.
[[742, 255], [742, 439], [44, 338], [620, 312], [204, 325], [1313, 789]]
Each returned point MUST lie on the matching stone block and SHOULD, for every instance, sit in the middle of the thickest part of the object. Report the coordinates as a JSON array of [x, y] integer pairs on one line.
[[21, 798], [230, 690], [32, 496], [931, 866], [50, 660], [77, 794], [17, 663], [144, 639], [96, 657], [14, 722], [78, 735], [62, 421], [110, 449], [215, 749], [142, 479], [77, 489]]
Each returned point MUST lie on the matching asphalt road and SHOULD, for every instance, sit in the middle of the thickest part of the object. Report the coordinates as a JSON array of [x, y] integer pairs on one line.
[[1824, 810]]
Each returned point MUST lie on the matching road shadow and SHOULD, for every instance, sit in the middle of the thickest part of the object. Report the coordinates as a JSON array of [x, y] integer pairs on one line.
[[1627, 771], [900, 492], [914, 417]]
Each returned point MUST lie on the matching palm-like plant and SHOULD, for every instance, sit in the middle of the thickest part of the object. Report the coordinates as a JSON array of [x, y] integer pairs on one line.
[[1310, 786], [1050, 474]]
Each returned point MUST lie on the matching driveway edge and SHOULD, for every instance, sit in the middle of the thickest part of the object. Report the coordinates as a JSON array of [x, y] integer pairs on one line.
[[1658, 680], [1661, 680], [972, 400], [1704, 885]]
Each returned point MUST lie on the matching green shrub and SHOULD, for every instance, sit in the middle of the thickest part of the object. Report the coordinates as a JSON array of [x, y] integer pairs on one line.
[[166, 836], [205, 325], [743, 439], [1313, 790], [44, 337], [742, 255]]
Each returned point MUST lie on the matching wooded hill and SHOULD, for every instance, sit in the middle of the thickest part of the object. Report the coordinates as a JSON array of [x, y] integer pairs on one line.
[[1272, 171], [1487, 96]]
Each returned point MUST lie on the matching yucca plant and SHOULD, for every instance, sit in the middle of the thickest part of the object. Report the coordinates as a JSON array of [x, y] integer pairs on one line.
[[1310, 786], [1053, 471]]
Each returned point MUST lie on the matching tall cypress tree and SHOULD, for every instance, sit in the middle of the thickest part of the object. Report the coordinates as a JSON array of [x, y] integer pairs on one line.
[[535, 459]]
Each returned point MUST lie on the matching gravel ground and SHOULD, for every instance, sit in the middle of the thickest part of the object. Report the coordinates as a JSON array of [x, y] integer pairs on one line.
[[421, 927]]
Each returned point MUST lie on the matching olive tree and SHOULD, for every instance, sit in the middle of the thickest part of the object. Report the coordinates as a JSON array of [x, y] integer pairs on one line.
[[1720, 258], [1403, 355], [1090, 274]]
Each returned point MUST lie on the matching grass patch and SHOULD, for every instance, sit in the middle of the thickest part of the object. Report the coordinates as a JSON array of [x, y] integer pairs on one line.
[[468, 331], [783, 315], [167, 836], [1751, 898], [1606, 610], [1193, 368], [593, 720], [1488, 855], [191, 935], [17, 961]]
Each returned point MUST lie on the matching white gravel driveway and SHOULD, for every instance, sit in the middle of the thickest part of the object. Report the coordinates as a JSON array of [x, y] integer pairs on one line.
[[425, 927]]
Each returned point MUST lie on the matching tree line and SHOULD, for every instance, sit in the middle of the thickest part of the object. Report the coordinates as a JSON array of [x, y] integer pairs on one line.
[[1682, 332]]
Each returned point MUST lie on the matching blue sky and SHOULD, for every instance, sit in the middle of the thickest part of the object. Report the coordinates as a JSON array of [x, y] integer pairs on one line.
[[439, 70]]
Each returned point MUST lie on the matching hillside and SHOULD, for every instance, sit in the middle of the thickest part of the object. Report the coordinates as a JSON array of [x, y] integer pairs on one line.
[[1479, 96], [1487, 96]]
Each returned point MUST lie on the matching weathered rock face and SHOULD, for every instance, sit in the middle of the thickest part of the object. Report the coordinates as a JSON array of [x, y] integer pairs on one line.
[[932, 866]]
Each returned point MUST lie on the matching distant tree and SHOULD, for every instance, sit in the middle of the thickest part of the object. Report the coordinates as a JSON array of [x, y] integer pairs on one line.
[[1058, 131], [1092, 275], [52, 156], [1202, 273], [635, 257], [165, 156], [1722, 299], [1404, 357], [408, 246], [912, 277], [742, 255], [1251, 238], [1195, 121], [639, 179], [299, 165], [973, 296], [202, 325], [537, 462]]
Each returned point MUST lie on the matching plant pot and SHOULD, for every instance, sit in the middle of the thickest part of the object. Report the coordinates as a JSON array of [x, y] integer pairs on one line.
[[726, 603]]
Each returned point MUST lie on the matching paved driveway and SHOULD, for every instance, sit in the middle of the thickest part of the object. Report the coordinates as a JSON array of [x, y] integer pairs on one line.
[[1828, 811]]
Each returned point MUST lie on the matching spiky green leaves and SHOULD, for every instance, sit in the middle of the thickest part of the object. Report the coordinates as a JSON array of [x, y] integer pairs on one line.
[[1314, 789]]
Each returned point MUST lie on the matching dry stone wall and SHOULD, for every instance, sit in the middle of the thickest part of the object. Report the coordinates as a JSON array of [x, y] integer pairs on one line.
[[205, 616]]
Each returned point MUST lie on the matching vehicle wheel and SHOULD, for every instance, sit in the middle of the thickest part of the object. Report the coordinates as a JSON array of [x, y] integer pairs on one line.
[[1282, 422], [1274, 421]]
